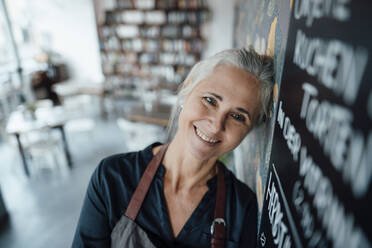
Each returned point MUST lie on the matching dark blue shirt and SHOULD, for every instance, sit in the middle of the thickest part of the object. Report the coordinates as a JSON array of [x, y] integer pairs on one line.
[[115, 180]]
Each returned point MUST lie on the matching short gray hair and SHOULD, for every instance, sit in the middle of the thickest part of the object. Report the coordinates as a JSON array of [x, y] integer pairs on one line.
[[261, 66]]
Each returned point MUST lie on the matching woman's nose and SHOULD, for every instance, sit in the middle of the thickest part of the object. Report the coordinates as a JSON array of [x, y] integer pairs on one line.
[[217, 122]]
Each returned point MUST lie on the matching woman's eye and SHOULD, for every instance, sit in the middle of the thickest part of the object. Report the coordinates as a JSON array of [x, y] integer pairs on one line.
[[210, 100], [238, 117]]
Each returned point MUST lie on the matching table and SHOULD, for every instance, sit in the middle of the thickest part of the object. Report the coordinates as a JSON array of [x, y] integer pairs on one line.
[[157, 114], [21, 121], [75, 88], [71, 88]]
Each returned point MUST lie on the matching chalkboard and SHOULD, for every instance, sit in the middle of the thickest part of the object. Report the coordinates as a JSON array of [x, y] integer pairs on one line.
[[318, 192]]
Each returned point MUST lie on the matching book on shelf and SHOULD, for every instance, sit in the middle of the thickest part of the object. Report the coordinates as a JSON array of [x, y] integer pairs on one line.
[[159, 40]]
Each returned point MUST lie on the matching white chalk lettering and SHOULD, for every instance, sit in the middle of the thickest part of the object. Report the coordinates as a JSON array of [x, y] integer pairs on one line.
[[303, 209], [278, 227], [315, 237], [359, 169], [315, 9], [337, 65], [339, 225], [331, 125], [281, 115], [307, 223], [309, 90], [289, 133]]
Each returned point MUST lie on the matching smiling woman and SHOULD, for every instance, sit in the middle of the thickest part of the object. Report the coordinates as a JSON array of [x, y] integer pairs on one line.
[[179, 194], [219, 112]]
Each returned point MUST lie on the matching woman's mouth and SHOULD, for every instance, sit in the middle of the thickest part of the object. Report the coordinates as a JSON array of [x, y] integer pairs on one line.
[[204, 137]]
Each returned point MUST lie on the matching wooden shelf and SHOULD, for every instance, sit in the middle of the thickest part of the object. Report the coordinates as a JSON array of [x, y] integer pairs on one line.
[[175, 65], [199, 9], [146, 25], [196, 38], [193, 44], [158, 51]]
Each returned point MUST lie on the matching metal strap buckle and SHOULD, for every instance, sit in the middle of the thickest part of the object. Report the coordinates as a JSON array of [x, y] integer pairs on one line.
[[218, 221]]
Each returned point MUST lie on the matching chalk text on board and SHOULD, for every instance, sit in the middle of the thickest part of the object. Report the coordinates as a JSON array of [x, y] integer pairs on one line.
[[279, 229], [303, 208], [336, 64], [315, 9], [347, 149], [289, 133], [339, 225]]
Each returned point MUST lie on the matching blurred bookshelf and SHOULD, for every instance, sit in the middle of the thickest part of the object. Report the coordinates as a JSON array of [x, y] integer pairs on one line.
[[149, 43]]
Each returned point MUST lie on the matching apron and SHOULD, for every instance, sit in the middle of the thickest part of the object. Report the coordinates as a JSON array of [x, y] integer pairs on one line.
[[128, 234]]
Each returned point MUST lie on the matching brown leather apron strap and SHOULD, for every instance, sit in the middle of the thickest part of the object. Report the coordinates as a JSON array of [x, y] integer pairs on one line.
[[144, 184], [218, 229]]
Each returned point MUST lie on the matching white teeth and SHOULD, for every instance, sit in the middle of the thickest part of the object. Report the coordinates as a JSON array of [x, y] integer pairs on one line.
[[205, 137]]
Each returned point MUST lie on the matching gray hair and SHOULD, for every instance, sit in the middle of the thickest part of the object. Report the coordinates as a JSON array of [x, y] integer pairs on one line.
[[261, 66]]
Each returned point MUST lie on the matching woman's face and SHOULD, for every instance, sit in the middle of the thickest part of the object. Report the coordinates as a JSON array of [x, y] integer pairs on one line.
[[219, 112]]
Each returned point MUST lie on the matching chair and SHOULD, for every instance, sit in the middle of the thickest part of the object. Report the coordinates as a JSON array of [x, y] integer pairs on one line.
[[43, 149]]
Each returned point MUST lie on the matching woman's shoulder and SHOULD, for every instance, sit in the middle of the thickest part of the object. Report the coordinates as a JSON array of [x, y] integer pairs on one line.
[[124, 166]]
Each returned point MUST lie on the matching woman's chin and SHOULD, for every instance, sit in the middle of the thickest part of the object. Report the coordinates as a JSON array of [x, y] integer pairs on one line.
[[197, 147], [201, 150]]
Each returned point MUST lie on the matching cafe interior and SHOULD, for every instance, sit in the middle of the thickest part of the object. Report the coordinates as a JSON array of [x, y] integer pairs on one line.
[[81, 80]]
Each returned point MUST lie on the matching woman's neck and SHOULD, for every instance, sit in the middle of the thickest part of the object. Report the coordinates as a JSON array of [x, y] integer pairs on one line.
[[182, 171]]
